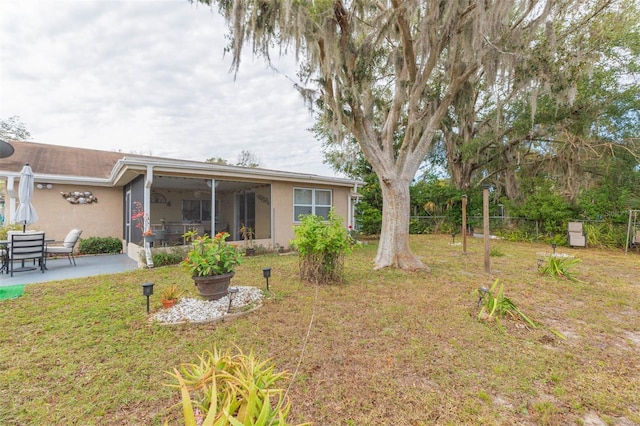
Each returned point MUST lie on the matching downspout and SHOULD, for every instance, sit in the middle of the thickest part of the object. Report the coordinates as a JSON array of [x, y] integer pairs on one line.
[[349, 212], [213, 207], [147, 197], [352, 219]]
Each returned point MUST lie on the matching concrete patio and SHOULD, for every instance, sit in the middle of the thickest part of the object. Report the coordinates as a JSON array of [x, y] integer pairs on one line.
[[60, 269]]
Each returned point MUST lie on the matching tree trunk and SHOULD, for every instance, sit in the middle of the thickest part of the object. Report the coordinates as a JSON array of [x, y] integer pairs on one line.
[[394, 248]]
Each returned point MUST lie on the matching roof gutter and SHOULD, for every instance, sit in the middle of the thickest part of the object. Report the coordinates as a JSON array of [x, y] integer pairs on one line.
[[218, 170]]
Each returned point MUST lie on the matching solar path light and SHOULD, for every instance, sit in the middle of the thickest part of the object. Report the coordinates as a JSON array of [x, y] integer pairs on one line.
[[147, 290], [266, 273]]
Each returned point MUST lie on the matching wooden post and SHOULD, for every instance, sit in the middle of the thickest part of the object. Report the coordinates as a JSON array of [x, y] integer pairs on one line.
[[464, 224], [485, 217]]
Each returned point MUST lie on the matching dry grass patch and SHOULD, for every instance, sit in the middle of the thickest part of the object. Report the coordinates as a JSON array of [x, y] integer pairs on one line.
[[384, 348]]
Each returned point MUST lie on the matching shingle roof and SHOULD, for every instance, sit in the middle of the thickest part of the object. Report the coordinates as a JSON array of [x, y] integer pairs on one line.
[[56, 160], [61, 160]]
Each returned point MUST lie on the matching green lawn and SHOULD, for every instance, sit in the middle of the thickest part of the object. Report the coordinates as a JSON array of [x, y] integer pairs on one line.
[[384, 348]]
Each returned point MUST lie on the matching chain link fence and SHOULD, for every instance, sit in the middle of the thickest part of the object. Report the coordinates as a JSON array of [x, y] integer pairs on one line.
[[599, 233]]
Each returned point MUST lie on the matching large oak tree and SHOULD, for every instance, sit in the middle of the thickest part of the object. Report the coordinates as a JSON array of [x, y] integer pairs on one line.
[[386, 72]]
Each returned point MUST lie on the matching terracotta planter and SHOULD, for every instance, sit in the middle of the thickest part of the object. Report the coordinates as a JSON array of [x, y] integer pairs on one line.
[[213, 287], [166, 304]]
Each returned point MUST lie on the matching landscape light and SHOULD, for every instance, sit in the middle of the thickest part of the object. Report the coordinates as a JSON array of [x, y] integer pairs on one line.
[[147, 290], [232, 293], [266, 273]]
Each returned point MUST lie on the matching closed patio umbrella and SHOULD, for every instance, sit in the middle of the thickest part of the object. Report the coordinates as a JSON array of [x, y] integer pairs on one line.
[[26, 213]]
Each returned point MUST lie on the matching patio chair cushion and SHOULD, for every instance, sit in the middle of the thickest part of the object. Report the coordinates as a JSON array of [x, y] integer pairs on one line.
[[575, 235], [72, 238], [67, 247]]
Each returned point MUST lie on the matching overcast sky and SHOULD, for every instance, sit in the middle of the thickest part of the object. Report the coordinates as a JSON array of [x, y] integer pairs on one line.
[[147, 76]]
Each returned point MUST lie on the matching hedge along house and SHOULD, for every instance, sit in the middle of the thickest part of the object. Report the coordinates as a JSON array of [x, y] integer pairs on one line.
[[99, 191]]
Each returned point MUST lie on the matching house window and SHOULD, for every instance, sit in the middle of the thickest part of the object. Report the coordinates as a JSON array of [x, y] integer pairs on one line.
[[196, 210], [311, 201]]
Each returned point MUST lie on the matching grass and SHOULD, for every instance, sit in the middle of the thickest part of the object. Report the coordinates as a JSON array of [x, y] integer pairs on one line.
[[384, 348]]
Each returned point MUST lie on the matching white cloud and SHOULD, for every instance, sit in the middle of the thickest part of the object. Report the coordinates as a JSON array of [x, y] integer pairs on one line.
[[147, 76]]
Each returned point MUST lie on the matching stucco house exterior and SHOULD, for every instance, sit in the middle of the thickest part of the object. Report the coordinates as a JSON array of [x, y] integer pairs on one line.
[[98, 191]]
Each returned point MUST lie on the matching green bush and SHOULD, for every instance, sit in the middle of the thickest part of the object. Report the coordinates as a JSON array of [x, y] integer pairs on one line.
[[9, 227], [321, 245], [164, 258], [605, 235], [369, 219], [100, 245]]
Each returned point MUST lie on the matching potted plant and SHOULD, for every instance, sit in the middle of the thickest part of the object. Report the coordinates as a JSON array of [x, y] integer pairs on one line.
[[170, 296], [247, 235], [148, 236], [211, 262]]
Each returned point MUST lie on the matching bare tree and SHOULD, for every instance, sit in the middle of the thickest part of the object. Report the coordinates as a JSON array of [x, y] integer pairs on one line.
[[248, 159], [385, 68]]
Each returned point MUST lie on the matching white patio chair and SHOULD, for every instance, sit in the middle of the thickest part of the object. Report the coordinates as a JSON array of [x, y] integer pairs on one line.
[[67, 246]]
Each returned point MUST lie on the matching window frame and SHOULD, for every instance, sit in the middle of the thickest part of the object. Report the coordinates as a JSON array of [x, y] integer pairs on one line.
[[313, 204], [202, 209]]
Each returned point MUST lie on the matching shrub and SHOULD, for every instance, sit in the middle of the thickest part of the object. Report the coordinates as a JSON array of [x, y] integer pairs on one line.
[[224, 389], [605, 235], [164, 258], [100, 245], [495, 252], [369, 219], [9, 227], [321, 246]]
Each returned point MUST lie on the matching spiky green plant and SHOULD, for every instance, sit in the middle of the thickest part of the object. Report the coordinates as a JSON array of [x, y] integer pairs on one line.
[[235, 390], [559, 267], [496, 305]]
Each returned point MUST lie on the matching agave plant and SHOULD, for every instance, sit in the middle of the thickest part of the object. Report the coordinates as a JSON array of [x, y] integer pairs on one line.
[[224, 389]]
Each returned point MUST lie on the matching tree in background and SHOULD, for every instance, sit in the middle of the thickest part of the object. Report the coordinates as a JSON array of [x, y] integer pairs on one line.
[[383, 68], [248, 159], [245, 159], [570, 127], [13, 129], [217, 160]]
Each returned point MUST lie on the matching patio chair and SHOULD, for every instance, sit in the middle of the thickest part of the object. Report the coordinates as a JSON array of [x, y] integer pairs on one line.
[[159, 237], [26, 246], [575, 235], [67, 246]]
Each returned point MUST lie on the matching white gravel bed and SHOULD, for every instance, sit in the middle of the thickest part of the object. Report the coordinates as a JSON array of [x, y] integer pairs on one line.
[[198, 310], [553, 254]]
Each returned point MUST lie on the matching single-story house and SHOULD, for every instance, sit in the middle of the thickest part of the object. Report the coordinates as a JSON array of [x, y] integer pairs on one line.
[[100, 191]]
